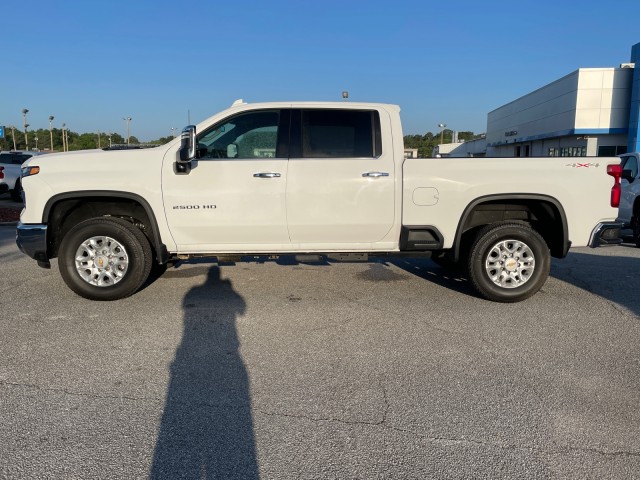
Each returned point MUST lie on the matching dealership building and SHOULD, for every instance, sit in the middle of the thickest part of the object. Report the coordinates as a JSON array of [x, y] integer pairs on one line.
[[588, 113]]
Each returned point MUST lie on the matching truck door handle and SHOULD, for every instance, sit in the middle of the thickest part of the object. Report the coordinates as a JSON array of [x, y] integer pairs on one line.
[[375, 174], [266, 175]]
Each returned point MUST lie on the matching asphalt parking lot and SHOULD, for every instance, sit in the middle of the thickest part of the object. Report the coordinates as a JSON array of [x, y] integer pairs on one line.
[[391, 369]]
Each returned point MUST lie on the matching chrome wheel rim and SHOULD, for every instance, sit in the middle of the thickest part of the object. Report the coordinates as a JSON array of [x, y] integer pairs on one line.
[[102, 261], [510, 263]]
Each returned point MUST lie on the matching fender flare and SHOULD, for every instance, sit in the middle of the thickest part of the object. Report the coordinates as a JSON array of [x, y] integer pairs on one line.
[[503, 197], [159, 247]]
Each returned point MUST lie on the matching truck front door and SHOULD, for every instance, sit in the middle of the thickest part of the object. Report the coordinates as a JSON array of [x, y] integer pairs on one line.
[[233, 198]]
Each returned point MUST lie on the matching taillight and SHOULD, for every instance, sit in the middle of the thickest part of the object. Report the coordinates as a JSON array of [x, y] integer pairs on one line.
[[615, 170], [1, 173]]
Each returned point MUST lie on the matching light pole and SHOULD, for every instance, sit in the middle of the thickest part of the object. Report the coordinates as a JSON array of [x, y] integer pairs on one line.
[[51, 131], [173, 132], [26, 140], [64, 144], [99, 146], [442, 127], [13, 135], [128, 120], [36, 139]]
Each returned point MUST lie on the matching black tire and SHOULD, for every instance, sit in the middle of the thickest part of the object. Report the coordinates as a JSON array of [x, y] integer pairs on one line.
[[126, 244], [635, 228], [525, 261], [16, 193]]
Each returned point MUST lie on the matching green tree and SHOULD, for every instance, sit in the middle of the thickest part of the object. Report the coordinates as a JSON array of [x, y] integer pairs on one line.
[[162, 140]]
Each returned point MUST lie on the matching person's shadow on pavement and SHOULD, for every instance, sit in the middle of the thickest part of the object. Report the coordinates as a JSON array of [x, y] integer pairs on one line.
[[207, 429]]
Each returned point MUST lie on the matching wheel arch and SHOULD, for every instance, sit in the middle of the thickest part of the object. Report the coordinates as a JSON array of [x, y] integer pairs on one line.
[[541, 212], [64, 210]]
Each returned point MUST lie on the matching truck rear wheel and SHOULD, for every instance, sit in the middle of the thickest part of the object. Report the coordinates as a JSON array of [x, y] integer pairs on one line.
[[104, 258], [508, 262]]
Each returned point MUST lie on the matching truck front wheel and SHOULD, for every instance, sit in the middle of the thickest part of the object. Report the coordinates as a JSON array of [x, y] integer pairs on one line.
[[104, 258], [508, 262]]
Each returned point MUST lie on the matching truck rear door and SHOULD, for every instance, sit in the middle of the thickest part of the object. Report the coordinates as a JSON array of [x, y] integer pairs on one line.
[[340, 186]]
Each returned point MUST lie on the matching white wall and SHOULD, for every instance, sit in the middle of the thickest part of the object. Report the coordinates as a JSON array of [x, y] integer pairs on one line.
[[587, 108], [548, 109], [603, 98]]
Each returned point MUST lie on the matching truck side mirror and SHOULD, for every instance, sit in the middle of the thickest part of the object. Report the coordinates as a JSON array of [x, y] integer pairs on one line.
[[188, 144]]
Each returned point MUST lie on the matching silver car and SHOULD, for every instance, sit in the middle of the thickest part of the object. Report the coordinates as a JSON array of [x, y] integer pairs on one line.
[[12, 161]]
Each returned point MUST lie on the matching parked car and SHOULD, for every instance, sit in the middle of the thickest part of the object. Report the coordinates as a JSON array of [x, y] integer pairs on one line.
[[12, 162], [3, 185], [629, 210]]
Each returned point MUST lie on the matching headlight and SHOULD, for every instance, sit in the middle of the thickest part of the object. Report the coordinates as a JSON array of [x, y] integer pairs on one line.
[[28, 171]]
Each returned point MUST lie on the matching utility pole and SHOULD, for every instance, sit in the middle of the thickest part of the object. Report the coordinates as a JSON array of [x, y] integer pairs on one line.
[[128, 120], [26, 140], [13, 135], [442, 127], [51, 132]]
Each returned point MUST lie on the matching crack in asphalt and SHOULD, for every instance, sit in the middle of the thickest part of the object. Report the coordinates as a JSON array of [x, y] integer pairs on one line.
[[76, 394], [451, 440], [382, 423]]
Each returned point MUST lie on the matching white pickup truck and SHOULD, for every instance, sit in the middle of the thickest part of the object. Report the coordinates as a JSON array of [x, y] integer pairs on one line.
[[309, 178]]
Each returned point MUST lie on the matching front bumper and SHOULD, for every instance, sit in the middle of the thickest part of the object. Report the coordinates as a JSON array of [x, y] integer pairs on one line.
[[606, 233], [32, 241]]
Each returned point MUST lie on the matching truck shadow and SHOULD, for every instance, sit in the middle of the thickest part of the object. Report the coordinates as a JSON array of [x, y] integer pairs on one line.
[[428, 270], [613, 277], [207, 429]]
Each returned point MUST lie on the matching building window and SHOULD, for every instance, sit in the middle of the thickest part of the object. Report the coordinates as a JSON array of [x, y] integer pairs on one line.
[[568, 152], [517, 151], [612, 150]]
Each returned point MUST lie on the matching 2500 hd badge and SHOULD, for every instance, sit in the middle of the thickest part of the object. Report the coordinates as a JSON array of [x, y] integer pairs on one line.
[[194, 207]]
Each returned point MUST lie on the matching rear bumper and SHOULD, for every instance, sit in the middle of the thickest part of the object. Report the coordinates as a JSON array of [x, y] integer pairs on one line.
[[32, 241], [606, 233], [4, 187]]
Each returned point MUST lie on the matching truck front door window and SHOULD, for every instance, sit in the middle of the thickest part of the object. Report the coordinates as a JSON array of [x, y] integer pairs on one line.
[[248, 135]]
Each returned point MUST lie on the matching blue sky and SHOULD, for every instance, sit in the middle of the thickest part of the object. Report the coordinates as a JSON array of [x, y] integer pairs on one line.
[[92, 63]]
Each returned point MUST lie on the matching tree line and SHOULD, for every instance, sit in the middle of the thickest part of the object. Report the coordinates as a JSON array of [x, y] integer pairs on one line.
[[86, 141], [427, 142], [15, 140]]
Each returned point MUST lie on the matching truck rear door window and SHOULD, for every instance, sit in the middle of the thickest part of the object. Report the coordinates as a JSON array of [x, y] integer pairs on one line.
[[340, 134]]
